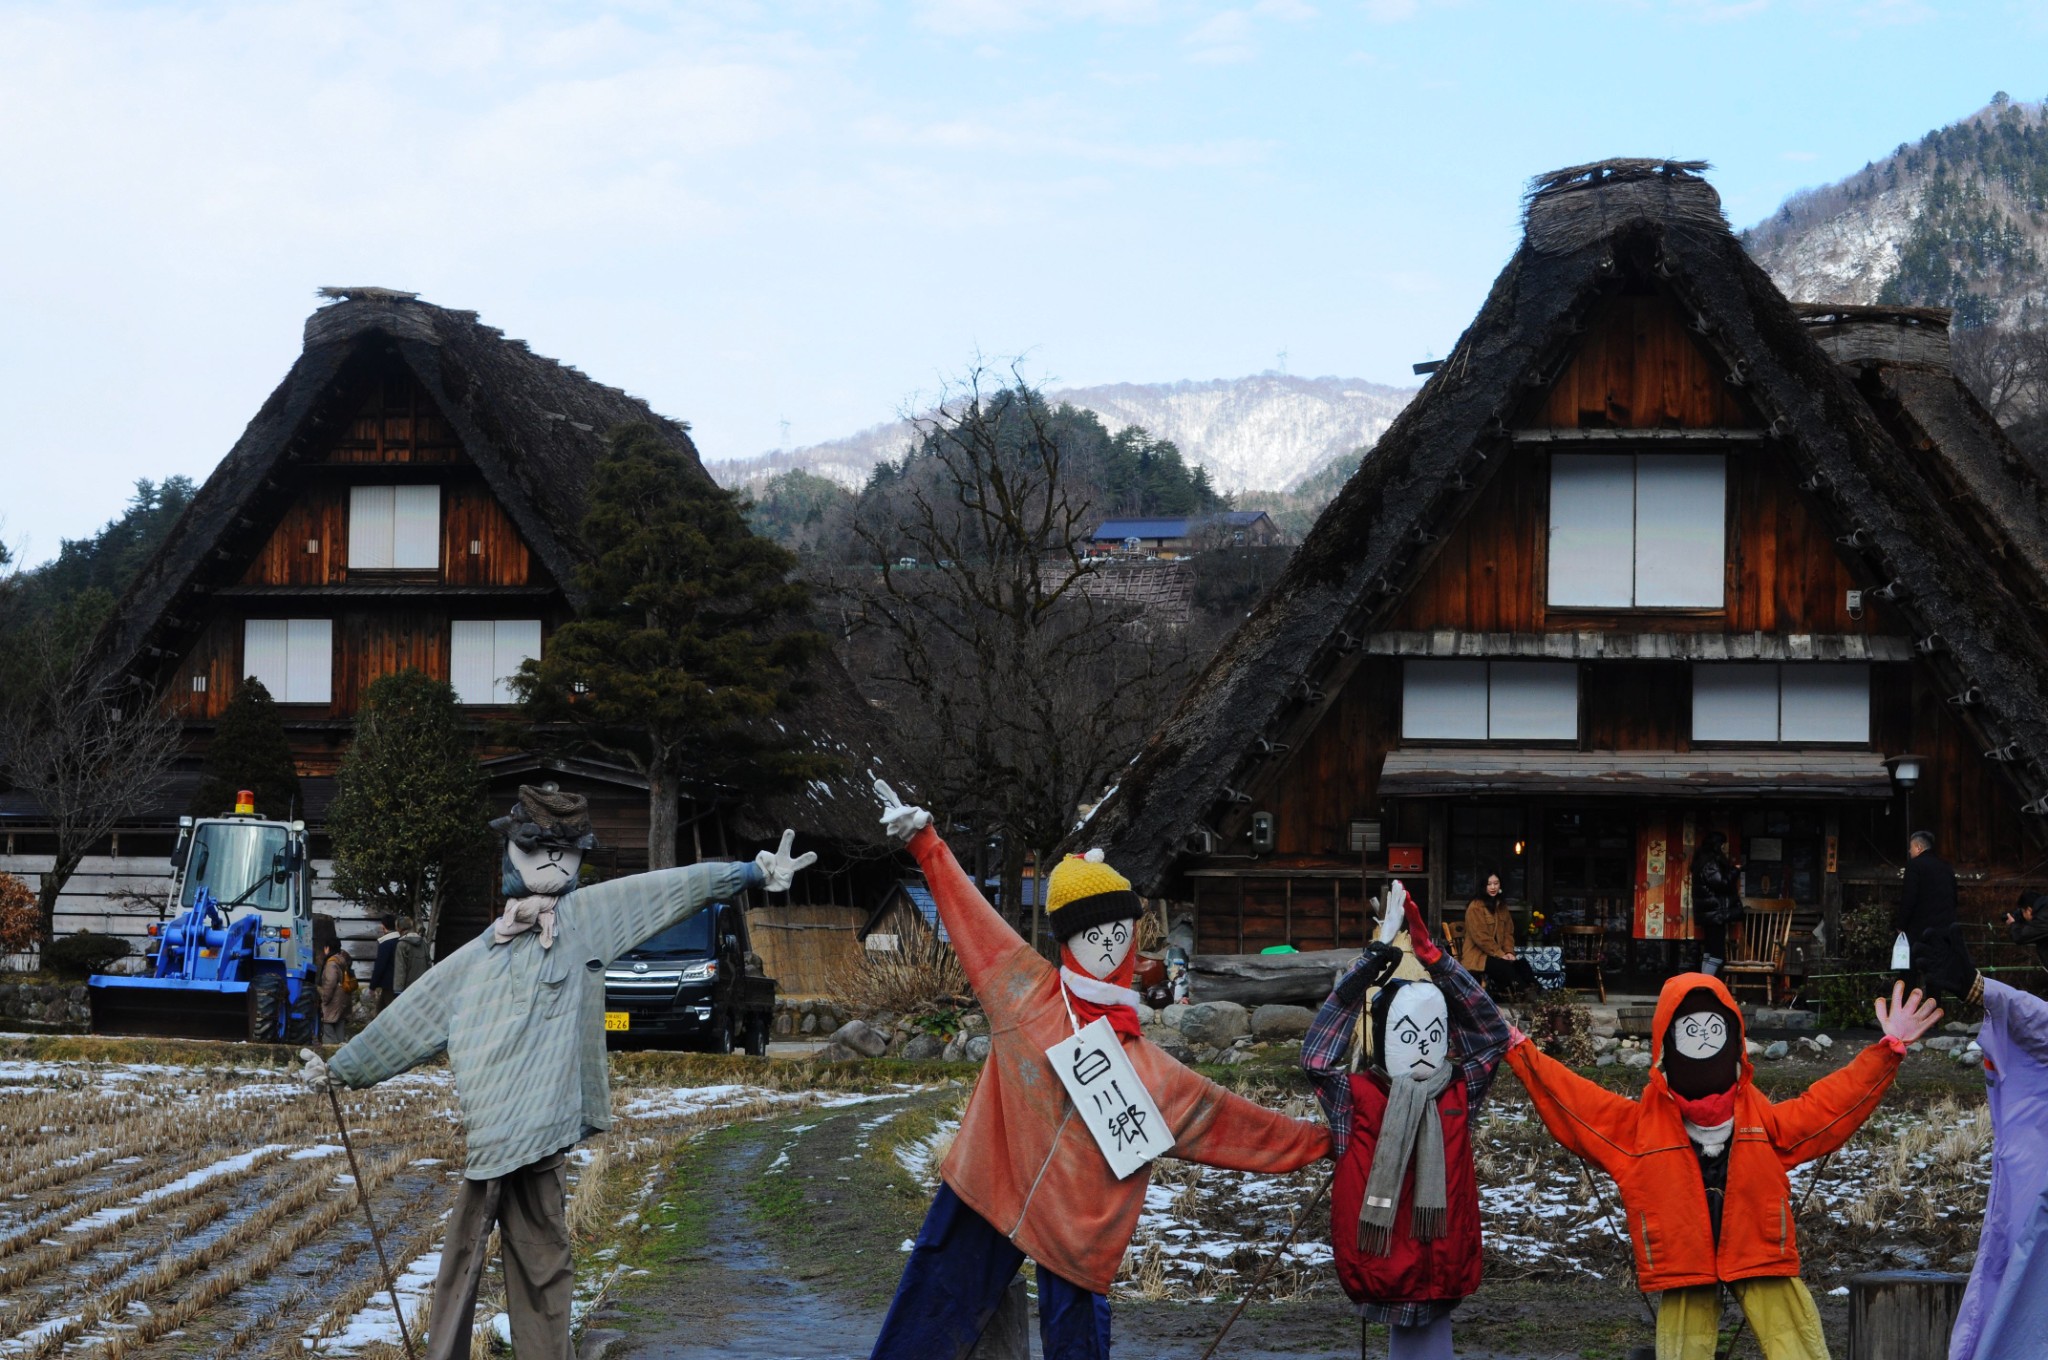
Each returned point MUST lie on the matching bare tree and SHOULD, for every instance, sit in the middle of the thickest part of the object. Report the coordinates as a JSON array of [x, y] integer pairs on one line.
[[90, 748], [2006, 367], [1021, 692]]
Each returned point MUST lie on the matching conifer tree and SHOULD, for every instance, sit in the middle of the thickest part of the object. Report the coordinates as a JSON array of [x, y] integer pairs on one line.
[[690, 641], [249, 751], [410, 825]]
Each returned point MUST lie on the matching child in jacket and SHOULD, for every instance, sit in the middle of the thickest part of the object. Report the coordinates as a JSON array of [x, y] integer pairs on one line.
[[1404, 1209], [1700, 1159], [1025, 1177]]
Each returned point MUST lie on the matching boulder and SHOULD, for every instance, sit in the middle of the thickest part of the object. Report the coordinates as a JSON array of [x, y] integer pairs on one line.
[[921, 1048], [1233, 1056], [1214, 1024], [1756, 1050], [1636, 1058], [862, 1038], [973, 1022], [809, 1024], [1823, 1041], [1604, 1060], [1778, 1049], [1146, 1015], [955, 1050], [1170, 1016], [838, 1052], [1943, 1043], [1273, 1021], [1604, 1043], [977, 1048]]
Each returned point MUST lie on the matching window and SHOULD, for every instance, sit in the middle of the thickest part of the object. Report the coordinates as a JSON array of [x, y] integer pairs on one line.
[[1638, 531], [394, 528], [1490, 701], [1789, 702], [484, 654], [294, 658]]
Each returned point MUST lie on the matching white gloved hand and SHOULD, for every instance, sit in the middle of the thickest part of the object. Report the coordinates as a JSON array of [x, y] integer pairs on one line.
[[315, 1074], [898, 818], [778, 866], [1396, 912]]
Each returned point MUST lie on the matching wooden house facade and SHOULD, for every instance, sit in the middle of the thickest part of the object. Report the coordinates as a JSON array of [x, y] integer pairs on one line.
[[1652, 554], [409, 497]]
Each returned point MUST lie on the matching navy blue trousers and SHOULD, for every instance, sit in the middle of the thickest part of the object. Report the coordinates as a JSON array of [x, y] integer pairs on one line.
[[959, 1268]]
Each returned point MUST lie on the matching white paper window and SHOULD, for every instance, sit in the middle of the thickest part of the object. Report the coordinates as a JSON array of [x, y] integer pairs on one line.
[[294, 658], [1791, 702], [394, 527], [1533, 701], [484, 654], [1490, 701], [1638, 531]]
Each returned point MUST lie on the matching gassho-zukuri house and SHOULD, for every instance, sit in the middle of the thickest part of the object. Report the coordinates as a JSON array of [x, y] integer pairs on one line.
[[1654, 552], [409, 496]]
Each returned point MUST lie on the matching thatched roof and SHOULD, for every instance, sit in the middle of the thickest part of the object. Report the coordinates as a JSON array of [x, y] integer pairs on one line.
[[1588, 230], [533, 427]]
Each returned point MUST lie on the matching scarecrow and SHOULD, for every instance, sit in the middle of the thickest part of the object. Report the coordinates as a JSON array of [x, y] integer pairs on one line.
[[2005, 1309], [1031, 1171], [520, 1013], [1700, 1160], [1404, 1209]]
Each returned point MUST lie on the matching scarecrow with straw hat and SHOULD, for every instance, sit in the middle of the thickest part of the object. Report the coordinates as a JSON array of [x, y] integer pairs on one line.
[[1029, 1173], [520, 1013]]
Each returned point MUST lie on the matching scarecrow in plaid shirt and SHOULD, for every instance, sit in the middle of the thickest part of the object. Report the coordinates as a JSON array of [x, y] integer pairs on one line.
[[1404, 1208]]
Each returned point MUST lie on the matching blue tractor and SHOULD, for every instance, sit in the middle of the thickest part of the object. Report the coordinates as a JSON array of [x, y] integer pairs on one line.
[[235, 960]]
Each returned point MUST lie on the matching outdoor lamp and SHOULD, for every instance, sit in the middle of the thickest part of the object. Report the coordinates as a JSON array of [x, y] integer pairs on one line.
[[1906, 770]]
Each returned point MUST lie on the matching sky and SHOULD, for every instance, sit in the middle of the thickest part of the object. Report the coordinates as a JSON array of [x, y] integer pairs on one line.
[[784, 223]]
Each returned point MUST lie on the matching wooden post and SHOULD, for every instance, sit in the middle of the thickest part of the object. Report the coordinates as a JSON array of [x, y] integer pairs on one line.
[[1903, 1314], [1008, 1334]]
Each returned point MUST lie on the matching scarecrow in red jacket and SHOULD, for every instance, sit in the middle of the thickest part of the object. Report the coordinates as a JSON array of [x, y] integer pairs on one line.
[[1700, 1160], [1029, 1173], [1404, 1208]]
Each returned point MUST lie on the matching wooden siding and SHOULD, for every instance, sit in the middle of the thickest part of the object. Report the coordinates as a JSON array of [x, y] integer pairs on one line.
[[1785, 572], [1639, 368], [1249, 911], [471, 515], [395, 421], [309, 546]]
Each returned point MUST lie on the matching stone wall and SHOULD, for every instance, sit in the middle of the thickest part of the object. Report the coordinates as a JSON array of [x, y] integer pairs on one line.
[[41, 1007]]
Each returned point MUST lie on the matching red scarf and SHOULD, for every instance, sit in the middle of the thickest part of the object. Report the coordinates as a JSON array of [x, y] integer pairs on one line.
[[1708, 1111], [1123, 1019]]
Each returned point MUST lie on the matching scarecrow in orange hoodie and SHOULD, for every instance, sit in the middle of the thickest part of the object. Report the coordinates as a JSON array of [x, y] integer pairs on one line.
[[1031, 1172], [1700, 1160]]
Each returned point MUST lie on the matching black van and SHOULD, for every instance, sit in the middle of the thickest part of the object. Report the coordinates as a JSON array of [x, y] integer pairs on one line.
[[695, 983]]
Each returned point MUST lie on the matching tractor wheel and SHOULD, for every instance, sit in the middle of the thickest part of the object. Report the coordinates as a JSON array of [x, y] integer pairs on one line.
[[266, 1009], [757, 1036], [302, 1020]]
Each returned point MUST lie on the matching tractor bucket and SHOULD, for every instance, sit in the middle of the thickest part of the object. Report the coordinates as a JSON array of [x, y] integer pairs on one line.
[[170, 1008]]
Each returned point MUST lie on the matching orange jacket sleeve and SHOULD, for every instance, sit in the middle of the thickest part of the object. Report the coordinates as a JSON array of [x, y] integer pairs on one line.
[[981, 938], [1216, 1128], [1830, 1111], [1584, 1116]]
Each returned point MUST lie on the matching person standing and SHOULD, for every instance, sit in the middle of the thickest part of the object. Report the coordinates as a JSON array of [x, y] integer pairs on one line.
[[381, 987], [1716, 899], [519, 1013], [1926, 916], [409, 957], [1488, 949], [333, 988]]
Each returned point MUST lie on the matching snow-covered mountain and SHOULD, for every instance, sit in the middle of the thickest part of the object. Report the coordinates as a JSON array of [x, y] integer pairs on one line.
[[1265, 432], [1957, 219]]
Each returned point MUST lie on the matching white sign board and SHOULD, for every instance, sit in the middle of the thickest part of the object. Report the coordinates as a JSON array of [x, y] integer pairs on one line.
[[882, 944], [1111, 1101]]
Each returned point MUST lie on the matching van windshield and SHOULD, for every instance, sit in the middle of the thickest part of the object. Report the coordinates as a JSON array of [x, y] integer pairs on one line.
[[691, 935]]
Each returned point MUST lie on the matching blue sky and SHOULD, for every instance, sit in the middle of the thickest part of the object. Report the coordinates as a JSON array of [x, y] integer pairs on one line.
[[815, 213]]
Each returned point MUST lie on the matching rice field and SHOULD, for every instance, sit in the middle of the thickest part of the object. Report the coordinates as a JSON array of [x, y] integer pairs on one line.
[[166, 1209]]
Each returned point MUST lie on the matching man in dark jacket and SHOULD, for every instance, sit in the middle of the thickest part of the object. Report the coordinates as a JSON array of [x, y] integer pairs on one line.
[[2027, 924], [1927, 915], [382, 988]]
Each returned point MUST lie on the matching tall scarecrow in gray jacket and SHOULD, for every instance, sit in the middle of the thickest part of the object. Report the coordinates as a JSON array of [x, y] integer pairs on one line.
[[520, 1013]]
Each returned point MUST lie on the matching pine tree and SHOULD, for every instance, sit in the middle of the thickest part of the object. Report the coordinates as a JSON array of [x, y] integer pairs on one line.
[[689, 644], [249, 751], [409, 823]]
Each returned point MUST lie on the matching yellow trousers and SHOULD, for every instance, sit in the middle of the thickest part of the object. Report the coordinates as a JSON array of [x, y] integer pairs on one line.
[[1779, 1309]]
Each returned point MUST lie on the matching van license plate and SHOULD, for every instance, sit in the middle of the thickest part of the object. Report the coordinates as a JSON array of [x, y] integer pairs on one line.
[[617, 1020]]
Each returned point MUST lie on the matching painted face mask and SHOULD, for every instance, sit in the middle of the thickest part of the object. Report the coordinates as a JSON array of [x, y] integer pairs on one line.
[[1101, 950], [1701, 1051], [1418, 1033], [546, 870]]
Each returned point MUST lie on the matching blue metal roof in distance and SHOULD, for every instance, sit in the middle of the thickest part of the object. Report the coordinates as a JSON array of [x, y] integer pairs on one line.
[[1120, 529]]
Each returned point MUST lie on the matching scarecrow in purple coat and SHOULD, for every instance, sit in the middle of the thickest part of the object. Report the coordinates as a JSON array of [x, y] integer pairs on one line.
[[2005, 1309]]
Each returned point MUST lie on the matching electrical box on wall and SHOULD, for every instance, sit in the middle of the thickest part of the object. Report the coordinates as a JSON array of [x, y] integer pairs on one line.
[[1262, 832], [1404, 859]]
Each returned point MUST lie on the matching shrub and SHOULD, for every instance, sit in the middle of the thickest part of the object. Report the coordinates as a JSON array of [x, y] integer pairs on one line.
[[1562, 1027], [21, 923], [76, 956], [922, 977], [1845, 998]]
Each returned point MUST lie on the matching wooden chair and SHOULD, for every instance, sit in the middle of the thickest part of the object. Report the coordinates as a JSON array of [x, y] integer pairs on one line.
[[1586, 947], [1453, 933], [1756, 946]]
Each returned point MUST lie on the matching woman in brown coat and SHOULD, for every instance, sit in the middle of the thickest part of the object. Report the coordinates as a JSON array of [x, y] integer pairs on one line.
[[333, 991], [1488, 949]]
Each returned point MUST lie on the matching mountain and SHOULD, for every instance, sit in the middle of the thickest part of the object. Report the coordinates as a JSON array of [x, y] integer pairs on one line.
[[1265, 432], [1957, 219]]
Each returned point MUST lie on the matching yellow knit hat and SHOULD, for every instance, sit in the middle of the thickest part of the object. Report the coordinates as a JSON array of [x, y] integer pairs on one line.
[[1085, 892]]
